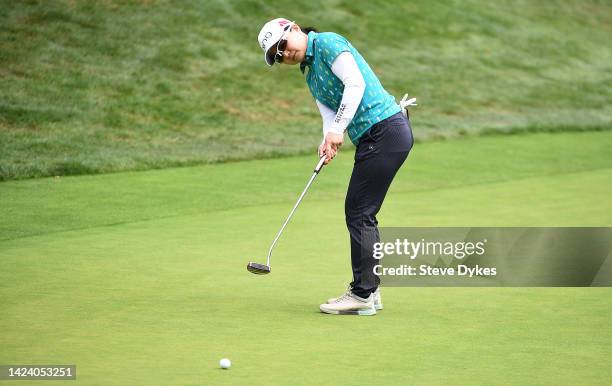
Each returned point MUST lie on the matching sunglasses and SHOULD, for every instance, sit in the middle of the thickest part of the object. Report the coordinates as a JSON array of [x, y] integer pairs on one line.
[[282, 45], [280, 50]]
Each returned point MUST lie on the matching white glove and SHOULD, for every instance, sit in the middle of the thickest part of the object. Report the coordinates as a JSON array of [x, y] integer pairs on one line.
[[405, 102]]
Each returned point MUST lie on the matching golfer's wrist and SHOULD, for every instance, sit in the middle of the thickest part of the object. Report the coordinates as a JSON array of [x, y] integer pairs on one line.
[[336, 129]]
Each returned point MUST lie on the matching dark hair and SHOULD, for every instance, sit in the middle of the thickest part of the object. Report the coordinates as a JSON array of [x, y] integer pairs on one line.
[[309, 29]]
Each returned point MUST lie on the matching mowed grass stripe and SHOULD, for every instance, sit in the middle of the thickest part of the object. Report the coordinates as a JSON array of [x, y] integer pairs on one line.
[[35, 207]]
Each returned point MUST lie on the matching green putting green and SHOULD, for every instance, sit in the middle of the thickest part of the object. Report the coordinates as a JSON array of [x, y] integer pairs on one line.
[[139, 278]]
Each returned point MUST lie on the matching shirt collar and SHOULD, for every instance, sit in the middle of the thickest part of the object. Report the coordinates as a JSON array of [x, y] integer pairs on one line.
[[308, 58]]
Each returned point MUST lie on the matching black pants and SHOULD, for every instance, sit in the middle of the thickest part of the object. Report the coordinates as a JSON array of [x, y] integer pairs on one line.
[[380, 153]]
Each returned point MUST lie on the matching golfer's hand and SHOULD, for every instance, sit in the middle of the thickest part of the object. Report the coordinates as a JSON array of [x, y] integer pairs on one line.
[[330, 146]]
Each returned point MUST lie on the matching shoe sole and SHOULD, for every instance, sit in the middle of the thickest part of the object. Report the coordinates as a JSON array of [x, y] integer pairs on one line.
[[378, 307], [366, 312]]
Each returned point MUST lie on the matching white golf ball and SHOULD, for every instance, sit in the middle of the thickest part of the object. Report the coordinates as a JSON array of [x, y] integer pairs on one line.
[[225, 363]]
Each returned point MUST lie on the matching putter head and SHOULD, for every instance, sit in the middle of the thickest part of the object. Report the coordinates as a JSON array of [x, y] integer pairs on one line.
[[258, 269]]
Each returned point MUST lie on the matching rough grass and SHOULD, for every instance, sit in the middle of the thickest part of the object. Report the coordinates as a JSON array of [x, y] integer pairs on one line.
[[91, 87]]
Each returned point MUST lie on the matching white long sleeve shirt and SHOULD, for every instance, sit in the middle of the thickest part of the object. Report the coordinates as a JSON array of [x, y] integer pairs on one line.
[[346, 69]]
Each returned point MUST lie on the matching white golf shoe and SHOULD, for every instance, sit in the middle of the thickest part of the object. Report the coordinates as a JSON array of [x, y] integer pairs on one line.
[[378, 305], [350, 304]]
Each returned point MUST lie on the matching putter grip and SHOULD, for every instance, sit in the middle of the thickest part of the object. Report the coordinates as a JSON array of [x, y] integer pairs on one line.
[[320, 165]]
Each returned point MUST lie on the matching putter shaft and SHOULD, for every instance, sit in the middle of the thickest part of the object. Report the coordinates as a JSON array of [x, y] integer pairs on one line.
[[314, 175]]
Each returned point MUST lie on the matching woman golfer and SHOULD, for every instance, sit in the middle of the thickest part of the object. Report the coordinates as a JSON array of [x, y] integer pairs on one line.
[[350, 98]]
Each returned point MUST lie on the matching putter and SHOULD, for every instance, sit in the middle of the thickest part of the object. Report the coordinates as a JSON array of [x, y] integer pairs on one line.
[[262, 269]]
